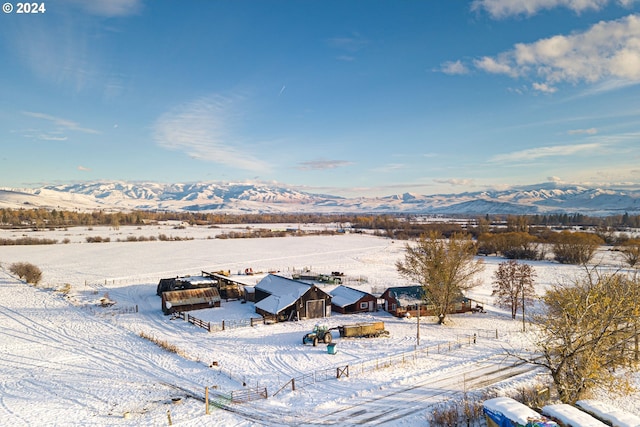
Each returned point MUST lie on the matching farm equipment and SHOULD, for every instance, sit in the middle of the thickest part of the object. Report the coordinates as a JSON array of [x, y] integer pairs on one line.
[[368, 330], [320, 333]]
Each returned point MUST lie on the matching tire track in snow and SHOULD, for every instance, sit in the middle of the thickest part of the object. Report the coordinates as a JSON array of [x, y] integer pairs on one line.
[[81, 345], [407, 401]]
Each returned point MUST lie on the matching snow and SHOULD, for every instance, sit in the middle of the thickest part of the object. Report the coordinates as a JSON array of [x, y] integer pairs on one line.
[[284, 292], [342, 296], [617, 417], [570, 416], [66, 360], [513, 410]]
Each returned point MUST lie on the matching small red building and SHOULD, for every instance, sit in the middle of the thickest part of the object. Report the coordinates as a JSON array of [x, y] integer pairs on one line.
[[405, 300], [347, 300]]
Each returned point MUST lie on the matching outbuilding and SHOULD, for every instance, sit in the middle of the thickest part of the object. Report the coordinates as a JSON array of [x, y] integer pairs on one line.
[[405, 301], [229, 288], [189, 299], [347, 300], [184, 282], [279, 299]]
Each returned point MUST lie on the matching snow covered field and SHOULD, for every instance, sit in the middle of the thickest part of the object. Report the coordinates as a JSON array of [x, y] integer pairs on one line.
[[68, 361]]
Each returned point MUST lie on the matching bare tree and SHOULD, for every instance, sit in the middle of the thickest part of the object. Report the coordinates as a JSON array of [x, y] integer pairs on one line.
[[631, 252], [444, 267], [513, 285], [589, 330]]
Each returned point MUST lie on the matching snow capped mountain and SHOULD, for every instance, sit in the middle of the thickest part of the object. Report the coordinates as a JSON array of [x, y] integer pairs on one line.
[[264, 198]]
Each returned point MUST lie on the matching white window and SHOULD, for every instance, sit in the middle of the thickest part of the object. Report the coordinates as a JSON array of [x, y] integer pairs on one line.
[[364, 305]]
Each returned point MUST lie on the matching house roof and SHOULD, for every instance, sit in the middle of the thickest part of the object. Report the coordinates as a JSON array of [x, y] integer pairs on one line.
[[191, 296], [343, 296], [197, 280], [274, 304], [412, 295], [281, 286], [283, 292], [408, 295]]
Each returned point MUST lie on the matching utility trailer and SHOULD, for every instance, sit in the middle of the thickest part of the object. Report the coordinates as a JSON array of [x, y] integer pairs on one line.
[[368, 330]]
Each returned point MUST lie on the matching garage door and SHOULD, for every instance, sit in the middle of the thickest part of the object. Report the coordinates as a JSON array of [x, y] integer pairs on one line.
[[315, 309]]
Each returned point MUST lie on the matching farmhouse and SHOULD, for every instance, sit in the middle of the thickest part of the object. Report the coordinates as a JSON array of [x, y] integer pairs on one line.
[[280, 299], [189, 299], [405, 300], [347, 300]]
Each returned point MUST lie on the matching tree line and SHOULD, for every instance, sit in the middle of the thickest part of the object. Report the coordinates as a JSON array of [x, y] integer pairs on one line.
[[395, 226]]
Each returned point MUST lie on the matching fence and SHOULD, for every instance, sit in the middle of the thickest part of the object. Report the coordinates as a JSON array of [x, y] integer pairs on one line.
[[378, 363], [314, 377], [248, 394], [214, 327]]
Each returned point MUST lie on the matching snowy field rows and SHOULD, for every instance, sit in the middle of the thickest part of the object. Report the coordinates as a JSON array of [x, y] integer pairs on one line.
[[68, 361]]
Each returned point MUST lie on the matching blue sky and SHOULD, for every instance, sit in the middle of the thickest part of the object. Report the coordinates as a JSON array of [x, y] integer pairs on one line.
[[344, 97]]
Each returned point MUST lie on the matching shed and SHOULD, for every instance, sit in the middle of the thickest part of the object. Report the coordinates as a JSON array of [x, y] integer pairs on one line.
[[279, 298], [184, 282], [405, 300], [229, 288], [189, 299], [347, 300]]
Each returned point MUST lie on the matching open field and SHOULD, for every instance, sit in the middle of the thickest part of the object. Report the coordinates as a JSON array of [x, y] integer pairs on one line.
[[69, 361]]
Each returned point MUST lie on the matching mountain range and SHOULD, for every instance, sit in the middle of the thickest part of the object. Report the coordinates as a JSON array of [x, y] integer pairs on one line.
[[233, 198]]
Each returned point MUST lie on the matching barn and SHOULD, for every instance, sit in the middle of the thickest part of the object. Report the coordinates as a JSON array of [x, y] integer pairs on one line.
[[189, 299], [347, 300], [229, 288], [404, 300], [184, 282], [279, 299]]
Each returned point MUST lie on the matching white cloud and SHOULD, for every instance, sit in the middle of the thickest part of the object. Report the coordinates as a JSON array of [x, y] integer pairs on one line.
[[590, 131], [202, 129], [495, 66], [391, 167], [60, 123], [607, 50], [323, 164], [454, 67], [541, 152], [504, 8], [46, 137], [455, 182], [544, 87]]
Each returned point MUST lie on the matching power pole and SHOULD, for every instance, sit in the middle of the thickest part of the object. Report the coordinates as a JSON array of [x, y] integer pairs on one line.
[[418, 327]]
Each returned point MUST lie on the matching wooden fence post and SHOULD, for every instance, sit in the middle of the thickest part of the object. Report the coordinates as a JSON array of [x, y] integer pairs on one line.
[[293, 384], [206, 400], [223, 325]]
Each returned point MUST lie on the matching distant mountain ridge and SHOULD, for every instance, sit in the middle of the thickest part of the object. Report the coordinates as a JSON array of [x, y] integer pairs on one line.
[[263, 198]]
